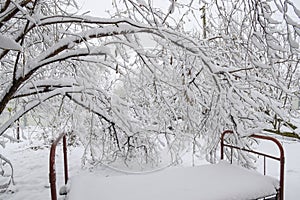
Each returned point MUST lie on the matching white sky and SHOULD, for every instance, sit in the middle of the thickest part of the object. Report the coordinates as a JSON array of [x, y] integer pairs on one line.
[[99, 7]]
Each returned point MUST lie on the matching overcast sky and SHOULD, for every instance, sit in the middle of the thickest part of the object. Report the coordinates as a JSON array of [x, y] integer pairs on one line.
[[99, 7]]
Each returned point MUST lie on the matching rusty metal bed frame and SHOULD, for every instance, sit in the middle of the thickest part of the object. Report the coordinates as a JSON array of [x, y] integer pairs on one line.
[[52, 173], [280, 196], [281, 158]]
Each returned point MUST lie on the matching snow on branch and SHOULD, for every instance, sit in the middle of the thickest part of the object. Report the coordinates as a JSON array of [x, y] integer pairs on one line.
[[90, 106], [48, 20], [34, 103], [70, 54], [10, 10], [52, 54], [42, 86]]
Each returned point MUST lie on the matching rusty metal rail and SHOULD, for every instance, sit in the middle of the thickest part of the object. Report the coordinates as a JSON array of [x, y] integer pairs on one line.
[[52, 173], [281, 158]]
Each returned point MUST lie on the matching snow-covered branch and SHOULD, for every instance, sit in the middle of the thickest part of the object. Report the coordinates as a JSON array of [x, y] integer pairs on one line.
[[34, 103]]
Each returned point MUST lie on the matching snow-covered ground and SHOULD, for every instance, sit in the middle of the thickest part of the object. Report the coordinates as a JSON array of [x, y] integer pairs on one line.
[[31, 170], [292, 172]]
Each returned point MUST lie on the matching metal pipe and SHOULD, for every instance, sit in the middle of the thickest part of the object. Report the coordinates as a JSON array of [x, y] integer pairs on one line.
[[52, 173], [252, 151], [65, 159], [265, 165], [222, 142], [282, 161]]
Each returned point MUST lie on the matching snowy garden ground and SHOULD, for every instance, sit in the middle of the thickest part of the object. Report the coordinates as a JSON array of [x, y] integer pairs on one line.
[[31, 169]]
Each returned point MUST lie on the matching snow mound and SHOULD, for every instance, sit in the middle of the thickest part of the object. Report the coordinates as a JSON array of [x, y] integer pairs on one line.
[[219, 181]]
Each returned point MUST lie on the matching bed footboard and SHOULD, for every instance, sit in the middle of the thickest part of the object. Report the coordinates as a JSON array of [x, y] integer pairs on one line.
[[262, 137]]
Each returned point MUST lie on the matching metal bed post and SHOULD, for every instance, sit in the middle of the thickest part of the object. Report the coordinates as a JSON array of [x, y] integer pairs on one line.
[[52, 173]]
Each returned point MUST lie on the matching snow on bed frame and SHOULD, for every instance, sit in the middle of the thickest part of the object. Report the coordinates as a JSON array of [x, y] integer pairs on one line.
[[280, 196], [279, 158]]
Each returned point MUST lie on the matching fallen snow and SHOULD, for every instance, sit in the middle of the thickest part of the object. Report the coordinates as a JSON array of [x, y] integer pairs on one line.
[[31, 173], [30, 159]]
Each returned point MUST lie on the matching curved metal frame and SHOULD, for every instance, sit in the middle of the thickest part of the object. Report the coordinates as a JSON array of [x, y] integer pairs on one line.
[[281, 159], [52, 173]]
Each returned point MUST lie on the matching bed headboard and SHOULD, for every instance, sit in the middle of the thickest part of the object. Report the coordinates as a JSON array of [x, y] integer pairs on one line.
[[262, 137]]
